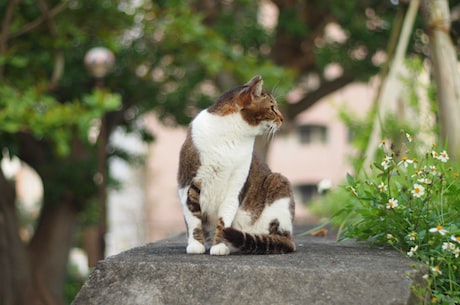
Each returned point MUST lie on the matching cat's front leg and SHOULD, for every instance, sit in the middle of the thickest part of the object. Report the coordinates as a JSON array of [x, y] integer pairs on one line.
[[218, 245], [228, 207], [194, 246], [227, 214], [190, 199]]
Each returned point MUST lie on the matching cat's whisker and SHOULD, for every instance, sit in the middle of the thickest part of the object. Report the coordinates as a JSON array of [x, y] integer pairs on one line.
[[270, 133], [267, 134], [273, 93], [269, 137]]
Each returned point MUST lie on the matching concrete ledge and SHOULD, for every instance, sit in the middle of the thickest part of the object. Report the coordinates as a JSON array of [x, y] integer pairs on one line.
[[320, 272]]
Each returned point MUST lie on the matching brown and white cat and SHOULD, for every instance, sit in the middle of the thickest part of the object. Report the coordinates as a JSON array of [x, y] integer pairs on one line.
[[230, 198]]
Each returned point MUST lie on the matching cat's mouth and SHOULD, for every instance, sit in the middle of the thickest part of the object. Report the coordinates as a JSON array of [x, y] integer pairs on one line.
[[272, 128]]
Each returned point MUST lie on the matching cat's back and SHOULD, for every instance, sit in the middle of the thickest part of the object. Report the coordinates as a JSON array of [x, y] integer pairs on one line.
[[189, 161]]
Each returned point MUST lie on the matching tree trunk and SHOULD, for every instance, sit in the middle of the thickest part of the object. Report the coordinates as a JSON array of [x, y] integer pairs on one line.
[[391, 87], [49, 252], [92, 244], [445, 72], [14, 266]]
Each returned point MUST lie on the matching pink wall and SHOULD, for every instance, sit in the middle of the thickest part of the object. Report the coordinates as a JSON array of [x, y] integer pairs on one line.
[[310, 163]]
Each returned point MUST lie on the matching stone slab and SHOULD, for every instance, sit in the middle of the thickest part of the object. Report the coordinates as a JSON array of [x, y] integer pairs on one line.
[[321, 271]]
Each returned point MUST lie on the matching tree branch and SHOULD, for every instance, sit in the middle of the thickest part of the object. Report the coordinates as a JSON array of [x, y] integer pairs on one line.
[[5, 29], [292, 110], [34, 24], [58, 54]]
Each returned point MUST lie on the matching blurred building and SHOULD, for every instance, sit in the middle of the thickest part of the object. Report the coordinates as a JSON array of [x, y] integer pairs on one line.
[[315, 154]]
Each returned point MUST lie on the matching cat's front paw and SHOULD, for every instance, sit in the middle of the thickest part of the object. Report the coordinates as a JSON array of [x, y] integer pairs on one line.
[[220, 249], [195, 247]]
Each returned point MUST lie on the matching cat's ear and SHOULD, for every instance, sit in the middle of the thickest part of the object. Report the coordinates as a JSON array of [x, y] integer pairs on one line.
[[254, 86]]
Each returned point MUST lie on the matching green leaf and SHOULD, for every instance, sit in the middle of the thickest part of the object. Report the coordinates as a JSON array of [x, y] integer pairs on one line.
[[350, 179]]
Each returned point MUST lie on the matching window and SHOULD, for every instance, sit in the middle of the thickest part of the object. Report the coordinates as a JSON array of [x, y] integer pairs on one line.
[[310, 133], [307, 192]]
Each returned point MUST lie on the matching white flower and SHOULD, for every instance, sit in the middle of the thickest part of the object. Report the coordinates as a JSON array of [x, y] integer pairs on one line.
[[409, 137], [448, 246], [412, 236], [412, 251], [455, 238], [382, 143], [405, 161], [443, 156], [438, 229], [386, 162], [418, 190], [392, 203], [436, 270], [451, 247], [418, 172], [434, 154], [433, 170], [382, 187], [424, 180]]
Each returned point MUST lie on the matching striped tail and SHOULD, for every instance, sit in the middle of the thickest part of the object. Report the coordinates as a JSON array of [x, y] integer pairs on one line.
[[259, 243]]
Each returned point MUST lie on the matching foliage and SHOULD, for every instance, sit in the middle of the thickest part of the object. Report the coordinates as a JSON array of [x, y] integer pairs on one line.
[[44, 117], [411, 201], [186, 55]]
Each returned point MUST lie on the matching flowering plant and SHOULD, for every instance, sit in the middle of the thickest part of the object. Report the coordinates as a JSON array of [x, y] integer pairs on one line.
[[411, 202]]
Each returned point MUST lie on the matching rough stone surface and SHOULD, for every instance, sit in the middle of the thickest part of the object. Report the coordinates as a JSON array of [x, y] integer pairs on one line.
[[321, 271]]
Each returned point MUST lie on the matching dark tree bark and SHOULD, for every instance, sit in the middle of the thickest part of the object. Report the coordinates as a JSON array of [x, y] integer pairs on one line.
[[46, 256], [14, 265], [297, 51], [49, 252]]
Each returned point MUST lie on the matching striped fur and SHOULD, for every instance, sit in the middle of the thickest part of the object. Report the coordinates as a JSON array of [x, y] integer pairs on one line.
[[259, 243]]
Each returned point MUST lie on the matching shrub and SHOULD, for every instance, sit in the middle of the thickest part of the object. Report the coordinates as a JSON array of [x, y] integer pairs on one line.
[[411, 201]]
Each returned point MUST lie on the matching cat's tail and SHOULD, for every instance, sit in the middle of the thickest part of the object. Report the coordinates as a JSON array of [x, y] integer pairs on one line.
[[259, 243]]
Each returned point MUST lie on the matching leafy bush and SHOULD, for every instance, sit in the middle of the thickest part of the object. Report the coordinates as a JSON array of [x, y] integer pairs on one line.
[[411, 201]]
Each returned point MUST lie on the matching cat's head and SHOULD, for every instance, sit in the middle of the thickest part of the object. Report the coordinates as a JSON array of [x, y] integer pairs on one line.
[[256, 106]]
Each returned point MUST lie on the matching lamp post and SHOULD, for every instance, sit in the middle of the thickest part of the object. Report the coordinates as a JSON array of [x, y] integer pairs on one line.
[[99, 61]]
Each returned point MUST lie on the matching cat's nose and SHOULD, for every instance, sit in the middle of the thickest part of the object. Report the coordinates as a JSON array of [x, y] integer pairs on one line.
[[281, 117]]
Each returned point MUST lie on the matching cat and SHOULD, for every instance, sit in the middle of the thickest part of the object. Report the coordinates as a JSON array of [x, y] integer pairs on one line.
[[230, 198]]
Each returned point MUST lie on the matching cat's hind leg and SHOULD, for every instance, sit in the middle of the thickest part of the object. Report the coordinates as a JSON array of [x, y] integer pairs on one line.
[[190, 200]]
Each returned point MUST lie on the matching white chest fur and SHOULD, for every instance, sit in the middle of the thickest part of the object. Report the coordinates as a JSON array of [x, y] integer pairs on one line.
[[225, 145]]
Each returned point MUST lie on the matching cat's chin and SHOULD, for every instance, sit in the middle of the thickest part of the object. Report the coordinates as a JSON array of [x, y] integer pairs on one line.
[[220, 249]]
